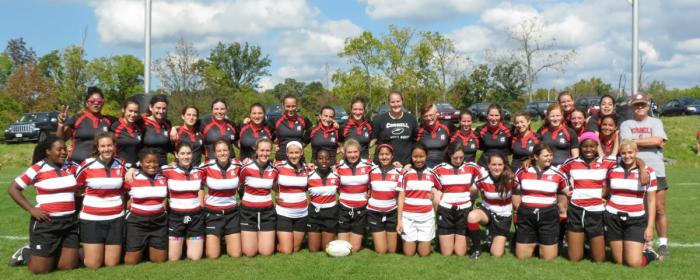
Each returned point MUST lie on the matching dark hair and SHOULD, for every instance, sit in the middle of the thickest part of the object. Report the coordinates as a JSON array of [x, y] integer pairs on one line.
[[466, 112], [257, 104], [603, 118], [358, 100], [451, 149], [326, 107], [607, 96], [425, 108], [394, 93], [148, 151], [219, 100], [504, 182], [289, 95], [419, 146], [322, 150], [222, 140], [130, 100], [43, 146], [541, 146], [92, 90], [96, 142], [184, 109], [155, 99], [497, 107], [563, 93], [183, 144]]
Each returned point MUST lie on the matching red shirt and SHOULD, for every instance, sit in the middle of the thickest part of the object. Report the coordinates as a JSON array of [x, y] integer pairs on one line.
[[103, 183], [147, 194], [55, 186]]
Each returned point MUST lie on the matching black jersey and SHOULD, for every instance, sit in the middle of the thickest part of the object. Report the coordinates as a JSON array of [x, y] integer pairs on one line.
[[195, 139], [522, 148], [155, 136], [212, 130], [435, 139], [128, 141], [360, 131], [287, 129], [84, 127], [249, 135], [324, 138], [595, 120], [399, 133], [494, 140], [562, 140], [470, 143]]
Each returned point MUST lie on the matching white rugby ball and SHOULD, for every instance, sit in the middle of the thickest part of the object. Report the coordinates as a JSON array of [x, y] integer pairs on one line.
[[338, 248]]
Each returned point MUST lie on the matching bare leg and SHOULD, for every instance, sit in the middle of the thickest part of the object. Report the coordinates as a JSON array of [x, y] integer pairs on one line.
[[391, 242], [524, 250], [576, 242], [233, 245], [68, 259], [356, 242], [633, 253], [175, 249], [549, 252], [447, 244], [195, 248], [617, 250], [286, 242], [424, 248], [113, 255], [314, 242], [213, 246], [94, 255], [498, 246], [266, 243]]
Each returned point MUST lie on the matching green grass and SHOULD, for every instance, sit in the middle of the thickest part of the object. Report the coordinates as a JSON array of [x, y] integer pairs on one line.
[[683, 203]]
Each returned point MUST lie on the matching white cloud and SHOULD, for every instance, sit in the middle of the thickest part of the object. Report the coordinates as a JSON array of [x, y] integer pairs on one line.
[[691, 45], [471, 38], [421, 10]]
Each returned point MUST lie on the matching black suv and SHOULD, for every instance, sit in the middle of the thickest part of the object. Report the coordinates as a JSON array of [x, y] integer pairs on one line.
[[32, 127], [538, 109]]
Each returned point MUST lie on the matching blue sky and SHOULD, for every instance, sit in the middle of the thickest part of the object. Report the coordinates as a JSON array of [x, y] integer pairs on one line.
[[302, 36]]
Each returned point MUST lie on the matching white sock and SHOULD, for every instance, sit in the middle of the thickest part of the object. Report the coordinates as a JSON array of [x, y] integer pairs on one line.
[[663, 241]]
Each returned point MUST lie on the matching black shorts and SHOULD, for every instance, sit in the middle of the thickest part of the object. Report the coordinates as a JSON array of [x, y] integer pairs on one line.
[[381, 221], [622, 227], [47, 238], [498, 225], [146, 230], [109, 232], [352, 220], [661, 184], [185, 224], [258, 219], [222, 223], [322, 219], [580, 220], [538, 225], [452, 220], [286, 224]]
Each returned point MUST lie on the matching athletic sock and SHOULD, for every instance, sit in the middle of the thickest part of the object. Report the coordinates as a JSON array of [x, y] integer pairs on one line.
[[663, 241], [475, 234]]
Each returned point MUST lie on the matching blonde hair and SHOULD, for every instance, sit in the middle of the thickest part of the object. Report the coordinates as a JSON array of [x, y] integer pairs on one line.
[[629, 142], [351, 143]]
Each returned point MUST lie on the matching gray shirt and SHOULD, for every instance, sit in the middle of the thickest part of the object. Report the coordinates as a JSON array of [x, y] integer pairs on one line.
[[649, 127]]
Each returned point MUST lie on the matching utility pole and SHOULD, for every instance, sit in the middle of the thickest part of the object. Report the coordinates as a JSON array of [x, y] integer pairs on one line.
[[635, 47], [147, 58]]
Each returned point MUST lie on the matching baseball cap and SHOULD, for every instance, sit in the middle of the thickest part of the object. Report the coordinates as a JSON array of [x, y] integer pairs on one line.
[[640, 97]]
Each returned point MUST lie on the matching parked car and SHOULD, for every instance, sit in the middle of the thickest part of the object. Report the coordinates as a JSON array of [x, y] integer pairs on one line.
[[383, 108], [341, 116], [273, 112], [447, 114], [32, 127], [624, 111], [681, 106], [538, 109], [589, 105], [479, 110]]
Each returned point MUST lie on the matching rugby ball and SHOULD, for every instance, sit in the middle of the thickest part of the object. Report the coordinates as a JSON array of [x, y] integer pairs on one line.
[[338, 248]]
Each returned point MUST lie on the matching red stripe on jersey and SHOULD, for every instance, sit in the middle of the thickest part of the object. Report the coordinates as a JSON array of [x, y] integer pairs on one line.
[[55, 186], [354, 183], [501, 204], [322, 191], [147, 194], [588, 181], [539, 189], [455, 183], [258, 182], [291, 195], [103, 183], [385, 185], [183, 188], [626, 193], [222, 184], [417, 188]]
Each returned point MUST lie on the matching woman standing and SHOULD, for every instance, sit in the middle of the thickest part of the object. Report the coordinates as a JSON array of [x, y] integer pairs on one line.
[[156, 127], [578, 122], [466, 136], [102, 216], [562, 139], [83, 127], [566, 103], [147, 222], [496, 210], [53, 234], [222, 218], [215, 127], [258, 216], [323, 211], [290, 127], [358, 127], [495, 136], [385, 182], [127, 133], [416, 219], [396, 128], [433, 134], [187, 132], [354, 184], [185, 220], [292, 206], [453, 195], [609, 137], [535, 200], [325, 134], [523, 142], [252, 131], [607, 109]]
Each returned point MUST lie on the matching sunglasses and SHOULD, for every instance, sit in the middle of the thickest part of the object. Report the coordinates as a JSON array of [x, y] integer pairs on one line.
[[96, 101]]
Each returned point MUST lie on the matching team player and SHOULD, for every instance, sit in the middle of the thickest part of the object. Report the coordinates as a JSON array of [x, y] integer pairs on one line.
[[217, 126], [396, 128], [354, 184], [535, 199], [156, 126], [566, 103], [496, 210], [562, 139], [358, 127], [433, 134], [323, 210], [53, 234], [629, 213], [453, 197], [416, 218], [325, 134], [258, 216], [147, 221], [385, 182], [649, 135], [523, 141], [607, 109], [222, 217], [185, 220], [127, 134], [252, 131], [495, 136], [102, 214], [609, 137], [466, 136], [187, 132], [83, 127], [290, 127], [578, 122], [292, 206]]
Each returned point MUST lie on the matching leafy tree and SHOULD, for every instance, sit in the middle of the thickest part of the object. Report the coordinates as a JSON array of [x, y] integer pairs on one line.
[[30, 88], [119, 77], [236, 66], [593, 87], [443, 56], [363, 52], [180, 71], [509, 82], [289, 86], [6, 66], [19, 53]]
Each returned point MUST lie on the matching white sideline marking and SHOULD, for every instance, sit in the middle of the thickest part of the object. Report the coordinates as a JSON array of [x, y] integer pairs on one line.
[[13, 237], [684, 245]]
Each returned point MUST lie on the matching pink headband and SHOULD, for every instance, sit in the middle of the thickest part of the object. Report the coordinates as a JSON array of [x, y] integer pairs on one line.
[[588, 135]]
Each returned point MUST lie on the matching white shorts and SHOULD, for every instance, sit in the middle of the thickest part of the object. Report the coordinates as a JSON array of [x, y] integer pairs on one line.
[[414, 230]]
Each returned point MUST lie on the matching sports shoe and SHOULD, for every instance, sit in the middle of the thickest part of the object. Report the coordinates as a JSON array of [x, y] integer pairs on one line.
[[663, 251], [651, 254], [475, 255], [18, 258]]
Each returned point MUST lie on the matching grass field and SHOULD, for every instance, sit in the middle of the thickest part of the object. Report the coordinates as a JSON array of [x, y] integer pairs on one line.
[[683, 203]]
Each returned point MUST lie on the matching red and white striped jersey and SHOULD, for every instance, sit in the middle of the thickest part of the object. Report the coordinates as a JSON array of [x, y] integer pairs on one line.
[[291, 195], [588, 181], [418, 185], [103, 183], [222, 184], [385, 183], [539, 188], [55, 186], [183, 188], [147, 193], [501, 205], [456, 182], [354, 183], [257, 183], [323, 189], [626, 193]]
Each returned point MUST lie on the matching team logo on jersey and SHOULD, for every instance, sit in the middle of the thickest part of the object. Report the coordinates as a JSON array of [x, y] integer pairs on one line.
[[118, 171], [366, 134], [442, 137], [233, 136], [530, 148], [503, 139], [472, 146], [333, 139], [104, 129], [269, 173], [392, 177], [200, 141], [298, 127], [138, 136], [548, 177], [165, 133], [562, 140]]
